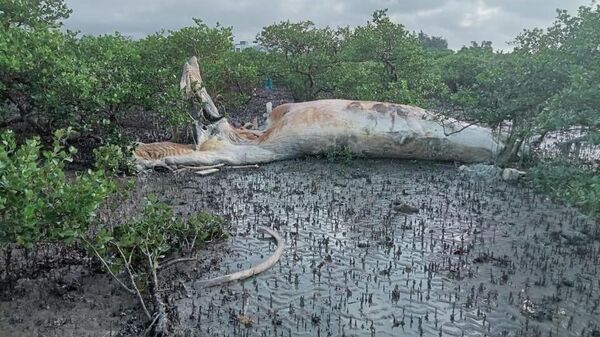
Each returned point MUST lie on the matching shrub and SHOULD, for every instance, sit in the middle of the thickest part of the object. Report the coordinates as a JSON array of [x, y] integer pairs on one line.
[[140, 248], [41, 203], [341, 153], [38, 201], [114, 159], [577, 185]]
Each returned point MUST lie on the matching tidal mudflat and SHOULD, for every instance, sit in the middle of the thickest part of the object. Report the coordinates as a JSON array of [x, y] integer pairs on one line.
[[386, 248]]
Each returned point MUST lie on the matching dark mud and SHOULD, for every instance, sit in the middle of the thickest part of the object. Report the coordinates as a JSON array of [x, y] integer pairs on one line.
[[69, 301], [388, 248], [373, 248]]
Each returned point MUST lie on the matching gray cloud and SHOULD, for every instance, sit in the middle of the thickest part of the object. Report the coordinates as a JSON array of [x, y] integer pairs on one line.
[[459, 21]]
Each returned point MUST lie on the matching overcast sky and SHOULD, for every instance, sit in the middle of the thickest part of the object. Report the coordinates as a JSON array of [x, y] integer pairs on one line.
[[459, 21]]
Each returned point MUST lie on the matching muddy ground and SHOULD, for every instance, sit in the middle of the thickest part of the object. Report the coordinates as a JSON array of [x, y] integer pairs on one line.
[[373, 248]]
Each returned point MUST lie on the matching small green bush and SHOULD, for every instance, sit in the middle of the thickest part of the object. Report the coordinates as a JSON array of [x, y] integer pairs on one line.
[[39, 202], [113, 158], [343, 153], [157, 233], [135, 251], [578, 185]]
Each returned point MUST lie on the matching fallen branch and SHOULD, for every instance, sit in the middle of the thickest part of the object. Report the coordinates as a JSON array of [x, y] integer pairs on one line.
[[170, 263], [207, 172], [241, 166], [244, 274], [455, 131], [163, 166], [198, 168]]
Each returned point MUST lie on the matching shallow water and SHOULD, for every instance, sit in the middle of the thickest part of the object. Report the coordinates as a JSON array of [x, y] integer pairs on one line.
[[477, 259]]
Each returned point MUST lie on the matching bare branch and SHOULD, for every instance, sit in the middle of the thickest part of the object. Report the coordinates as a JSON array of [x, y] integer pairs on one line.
[[176, 261], [456, 131], [241, 166], [149, 328], [159, 305], [131, 291], [132, 279]]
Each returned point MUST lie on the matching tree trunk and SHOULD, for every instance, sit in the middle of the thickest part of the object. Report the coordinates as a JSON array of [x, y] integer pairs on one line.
[[7, 261], [161, 327], [9, 121], [511, 149]]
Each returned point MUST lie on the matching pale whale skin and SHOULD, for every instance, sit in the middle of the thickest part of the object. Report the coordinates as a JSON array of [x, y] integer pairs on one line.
[[366, 129]]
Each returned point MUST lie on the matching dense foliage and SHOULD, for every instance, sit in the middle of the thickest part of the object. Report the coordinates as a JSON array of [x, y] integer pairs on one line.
[[379, 61], [578, 185], [51, 79], [548, 83], [38, 201], [301, 56], [31, 13]]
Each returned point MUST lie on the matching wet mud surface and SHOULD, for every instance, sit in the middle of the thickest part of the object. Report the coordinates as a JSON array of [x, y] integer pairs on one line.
[[68, 302], [388, 248], [373, 248]]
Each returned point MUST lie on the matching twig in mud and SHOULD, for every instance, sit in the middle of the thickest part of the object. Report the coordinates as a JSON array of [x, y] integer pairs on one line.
[[170, 263], [149, 328], [207, 172], [197, 168], [129, 290], [241, 166], [132, 279], [244, 274]]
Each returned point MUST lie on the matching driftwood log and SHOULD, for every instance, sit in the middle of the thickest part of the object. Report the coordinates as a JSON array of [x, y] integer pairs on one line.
[[366, 129], [244, 274]]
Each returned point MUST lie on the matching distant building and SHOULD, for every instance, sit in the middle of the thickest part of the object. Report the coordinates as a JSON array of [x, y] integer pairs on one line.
[[242, 45]]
